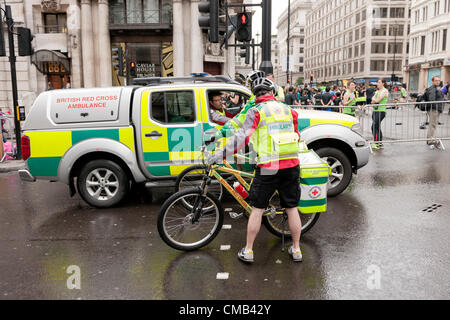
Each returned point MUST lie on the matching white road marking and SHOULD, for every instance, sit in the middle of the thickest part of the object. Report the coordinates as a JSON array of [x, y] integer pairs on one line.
[[225, 247], [223, 276], [226, 227]]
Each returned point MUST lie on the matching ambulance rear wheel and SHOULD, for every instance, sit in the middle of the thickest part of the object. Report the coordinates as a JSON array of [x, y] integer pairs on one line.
[[102, 183], [278, 224]]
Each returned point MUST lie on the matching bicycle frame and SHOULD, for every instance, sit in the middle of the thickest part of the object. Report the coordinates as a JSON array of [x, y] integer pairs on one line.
[[214, 172]]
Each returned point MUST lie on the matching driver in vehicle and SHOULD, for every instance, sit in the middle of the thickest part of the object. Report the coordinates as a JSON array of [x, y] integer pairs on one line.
[[217, 111]]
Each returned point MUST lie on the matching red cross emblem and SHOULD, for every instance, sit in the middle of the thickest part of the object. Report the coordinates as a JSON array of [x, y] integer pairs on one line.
[[315, 192]]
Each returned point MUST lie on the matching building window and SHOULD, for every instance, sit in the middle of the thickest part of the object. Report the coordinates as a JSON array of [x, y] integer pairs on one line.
[[444, 40], [397, 64], [422, 46], [397, 12], [396, 30], [378, 47], [380, 12], [140, 11], [379, 30], [54, 23], [377, 65], [436, 7], [395, 47]]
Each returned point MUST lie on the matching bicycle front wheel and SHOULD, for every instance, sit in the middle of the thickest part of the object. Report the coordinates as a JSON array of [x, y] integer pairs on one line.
[[189, 228], [193, 177]]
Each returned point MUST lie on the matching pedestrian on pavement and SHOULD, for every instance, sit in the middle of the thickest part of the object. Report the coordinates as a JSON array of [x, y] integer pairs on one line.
[[370, 92], [380, 98], [326, 99], [266, 124], [431, 94], [291, 98]]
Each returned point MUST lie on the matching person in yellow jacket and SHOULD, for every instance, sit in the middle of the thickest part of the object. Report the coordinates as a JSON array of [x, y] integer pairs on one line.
[[272, 128], [350, 100], [380, 98]]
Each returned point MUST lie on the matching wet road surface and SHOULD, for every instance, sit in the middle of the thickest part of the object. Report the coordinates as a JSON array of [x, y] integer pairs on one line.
[[375, 242]]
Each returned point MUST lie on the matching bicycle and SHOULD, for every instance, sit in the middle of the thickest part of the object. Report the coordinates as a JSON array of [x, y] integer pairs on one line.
[[192, 218]]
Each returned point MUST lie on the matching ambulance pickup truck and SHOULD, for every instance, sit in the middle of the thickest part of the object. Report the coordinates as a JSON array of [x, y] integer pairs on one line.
[[101, 141]]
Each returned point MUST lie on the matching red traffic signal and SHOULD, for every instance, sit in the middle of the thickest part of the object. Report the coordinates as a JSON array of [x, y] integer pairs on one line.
[[244, 27], [133, 69], [244, 19]]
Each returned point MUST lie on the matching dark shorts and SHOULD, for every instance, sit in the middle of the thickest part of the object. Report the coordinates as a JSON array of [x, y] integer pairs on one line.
[[286, 181]]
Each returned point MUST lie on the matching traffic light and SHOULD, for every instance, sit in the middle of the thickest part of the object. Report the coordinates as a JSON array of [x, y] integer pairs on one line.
[[311, 77], [117, 60], [2, 39], [133, 69], [25, 37], [245, 54], [244, 27], [211, 18]]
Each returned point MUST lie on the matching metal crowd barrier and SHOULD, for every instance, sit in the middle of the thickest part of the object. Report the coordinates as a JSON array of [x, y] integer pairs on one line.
[[403, 122]]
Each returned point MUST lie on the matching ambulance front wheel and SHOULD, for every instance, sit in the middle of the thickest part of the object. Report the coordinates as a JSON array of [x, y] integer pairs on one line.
[[102, 183], [341, 170]]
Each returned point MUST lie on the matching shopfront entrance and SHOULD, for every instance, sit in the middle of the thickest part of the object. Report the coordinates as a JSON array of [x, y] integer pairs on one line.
[[56, 67]]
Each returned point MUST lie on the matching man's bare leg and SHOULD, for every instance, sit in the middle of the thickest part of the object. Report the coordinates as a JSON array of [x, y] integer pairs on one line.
[[295, 226], [253, 227]]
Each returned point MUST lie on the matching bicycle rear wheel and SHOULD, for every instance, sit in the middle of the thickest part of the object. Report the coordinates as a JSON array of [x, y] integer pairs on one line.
[[177, 225], [275, 224]]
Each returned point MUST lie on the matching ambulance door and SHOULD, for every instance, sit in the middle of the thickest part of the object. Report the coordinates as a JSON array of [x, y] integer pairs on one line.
[[171, 130]]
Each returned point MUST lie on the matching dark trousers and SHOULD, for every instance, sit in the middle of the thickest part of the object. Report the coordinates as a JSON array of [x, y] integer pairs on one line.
[[377, 118]]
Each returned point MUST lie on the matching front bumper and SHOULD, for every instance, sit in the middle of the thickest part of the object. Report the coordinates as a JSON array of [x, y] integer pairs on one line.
[[362, 156], [25, 175]]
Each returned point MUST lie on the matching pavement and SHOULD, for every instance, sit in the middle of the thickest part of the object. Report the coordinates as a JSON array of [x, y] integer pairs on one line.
[[11, 165]]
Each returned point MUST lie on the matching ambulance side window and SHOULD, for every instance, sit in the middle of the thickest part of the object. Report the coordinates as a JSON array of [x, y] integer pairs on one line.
[[173, 107]]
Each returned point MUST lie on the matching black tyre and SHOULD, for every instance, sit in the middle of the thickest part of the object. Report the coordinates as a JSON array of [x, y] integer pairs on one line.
[[175, 220], [103, 183], [275, 224], [341, 170], [192, 177]]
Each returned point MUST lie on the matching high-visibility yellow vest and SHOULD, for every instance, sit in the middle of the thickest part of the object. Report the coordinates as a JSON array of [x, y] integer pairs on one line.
[[382, 104], [275, 139], [351, 111]]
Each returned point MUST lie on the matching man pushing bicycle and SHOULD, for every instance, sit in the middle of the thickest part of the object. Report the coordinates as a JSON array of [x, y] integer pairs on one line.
[[272, 128]]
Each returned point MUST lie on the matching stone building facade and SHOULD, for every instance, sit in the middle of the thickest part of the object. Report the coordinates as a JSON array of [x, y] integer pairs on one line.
[[74, 41], [429, 53]]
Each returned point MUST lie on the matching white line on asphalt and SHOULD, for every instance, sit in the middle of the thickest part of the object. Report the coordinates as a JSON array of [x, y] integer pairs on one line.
[[223, 276], [225, 247], [226, 227], [228, 209]]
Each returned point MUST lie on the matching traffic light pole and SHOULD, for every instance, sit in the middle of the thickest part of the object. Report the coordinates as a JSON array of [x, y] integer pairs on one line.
[[266, 64], [12, 61]]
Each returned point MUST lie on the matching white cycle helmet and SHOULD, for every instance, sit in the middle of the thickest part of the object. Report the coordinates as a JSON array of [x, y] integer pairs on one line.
[[261, 84], [253, 75]]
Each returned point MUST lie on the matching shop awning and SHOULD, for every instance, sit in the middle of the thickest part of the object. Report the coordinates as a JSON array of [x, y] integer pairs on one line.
[[41, 57]]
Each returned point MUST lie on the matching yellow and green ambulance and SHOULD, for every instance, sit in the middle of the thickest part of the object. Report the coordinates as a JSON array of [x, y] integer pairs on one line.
[[100, 141]]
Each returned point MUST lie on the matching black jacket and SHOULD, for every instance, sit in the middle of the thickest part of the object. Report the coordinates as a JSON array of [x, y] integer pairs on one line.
[[433, 93]]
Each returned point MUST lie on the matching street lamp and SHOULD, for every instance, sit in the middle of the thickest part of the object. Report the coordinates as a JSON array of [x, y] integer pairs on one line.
[[395, 28]]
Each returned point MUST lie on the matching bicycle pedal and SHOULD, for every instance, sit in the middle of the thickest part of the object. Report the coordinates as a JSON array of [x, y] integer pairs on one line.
[[234, 215]]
